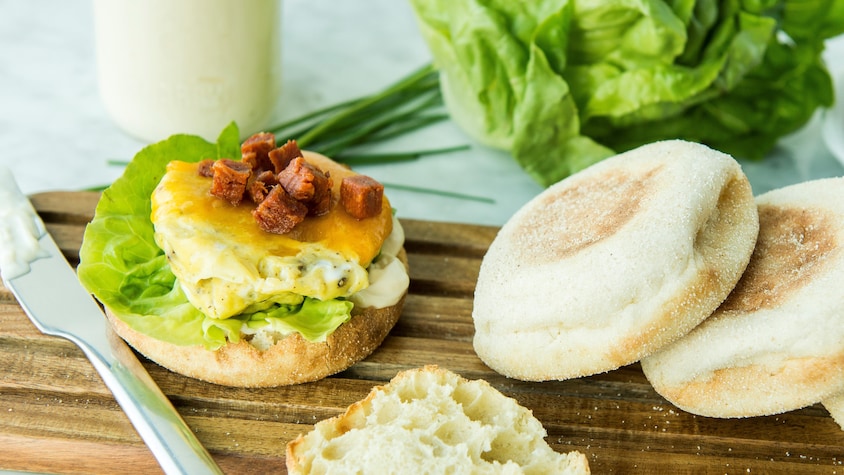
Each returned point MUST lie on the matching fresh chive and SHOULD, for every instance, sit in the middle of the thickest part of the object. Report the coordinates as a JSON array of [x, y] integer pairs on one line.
[[450, 194], [406, 127], [360, 134], [377, 159], [312, 115], [397, 156], [343, 124]]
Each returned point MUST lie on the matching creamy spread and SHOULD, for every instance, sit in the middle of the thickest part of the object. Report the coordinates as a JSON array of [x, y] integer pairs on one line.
[[388, 277], [20, 229]]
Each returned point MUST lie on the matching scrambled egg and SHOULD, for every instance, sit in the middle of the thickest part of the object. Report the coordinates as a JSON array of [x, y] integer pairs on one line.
[[227, 265]]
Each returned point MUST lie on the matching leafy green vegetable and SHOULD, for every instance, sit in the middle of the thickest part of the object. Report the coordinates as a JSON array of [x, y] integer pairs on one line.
[[124, 268], [562, 84]]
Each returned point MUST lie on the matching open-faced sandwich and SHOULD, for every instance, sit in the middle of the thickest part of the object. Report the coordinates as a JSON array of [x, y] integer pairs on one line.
[[246, 264]]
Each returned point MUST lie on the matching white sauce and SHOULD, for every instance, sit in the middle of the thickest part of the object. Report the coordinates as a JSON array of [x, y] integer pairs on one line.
[[20, 229], [388, 281], [188, 66], [395, 241], [388, 277]]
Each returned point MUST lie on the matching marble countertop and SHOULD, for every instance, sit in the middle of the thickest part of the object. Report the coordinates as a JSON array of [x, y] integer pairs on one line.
[[55, 133]]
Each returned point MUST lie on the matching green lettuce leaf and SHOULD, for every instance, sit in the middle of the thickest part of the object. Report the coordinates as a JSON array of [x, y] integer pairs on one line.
[[562, 84], [123, 267]]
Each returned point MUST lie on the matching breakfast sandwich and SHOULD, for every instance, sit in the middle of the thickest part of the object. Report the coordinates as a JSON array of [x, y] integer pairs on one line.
[[276, 267]]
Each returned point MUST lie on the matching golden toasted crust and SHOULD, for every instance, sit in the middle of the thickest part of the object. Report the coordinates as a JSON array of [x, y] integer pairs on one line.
[[777, 343], [291, 360]]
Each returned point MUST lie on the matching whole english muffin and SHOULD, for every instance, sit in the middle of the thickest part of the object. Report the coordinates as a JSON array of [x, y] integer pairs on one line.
[[777, 342], [613, 263]]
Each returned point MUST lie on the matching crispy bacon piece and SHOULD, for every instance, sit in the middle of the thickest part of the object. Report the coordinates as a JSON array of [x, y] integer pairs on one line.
[[320, 204], [279, 213], [205, 168], [229, 180], [281, 156], [251, 159], [284, 187], [361, 196], [261, 185], [255, 150], [299, 178], [308, 184]]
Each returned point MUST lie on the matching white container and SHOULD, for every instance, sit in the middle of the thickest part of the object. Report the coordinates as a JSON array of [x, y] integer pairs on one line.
[[188, 66]]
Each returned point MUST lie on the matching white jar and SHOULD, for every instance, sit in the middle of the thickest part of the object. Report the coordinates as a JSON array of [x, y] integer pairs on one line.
[[188, 66]]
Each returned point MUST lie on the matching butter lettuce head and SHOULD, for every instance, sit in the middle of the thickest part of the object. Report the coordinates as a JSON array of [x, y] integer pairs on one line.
[[562, 84], [123, 267]]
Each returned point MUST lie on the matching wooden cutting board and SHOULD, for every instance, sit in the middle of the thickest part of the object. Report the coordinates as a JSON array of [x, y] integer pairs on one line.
[[57, 416]]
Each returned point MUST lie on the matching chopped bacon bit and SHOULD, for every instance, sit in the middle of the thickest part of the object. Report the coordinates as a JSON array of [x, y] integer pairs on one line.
[[261, 185], [361, 196], [230, 178], [205, 167], [298, 179], [281, 156], [285, 187], [251, 159], [307, 184], [255, 150], [279, 213], [320, 204]]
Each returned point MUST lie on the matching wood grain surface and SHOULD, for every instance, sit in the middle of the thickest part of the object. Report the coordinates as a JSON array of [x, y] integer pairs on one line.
[[56, 415]]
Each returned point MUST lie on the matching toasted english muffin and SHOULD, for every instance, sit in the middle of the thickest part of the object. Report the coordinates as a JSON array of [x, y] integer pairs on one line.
[[777, 342], [431, 421], [614, 262]]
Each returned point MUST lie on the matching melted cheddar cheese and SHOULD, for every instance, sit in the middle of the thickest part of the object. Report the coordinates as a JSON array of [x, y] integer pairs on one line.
[[227, 265]]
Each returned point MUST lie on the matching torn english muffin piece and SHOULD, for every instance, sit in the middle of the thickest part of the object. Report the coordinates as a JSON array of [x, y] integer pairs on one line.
[[431, 421], [277, 268]]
